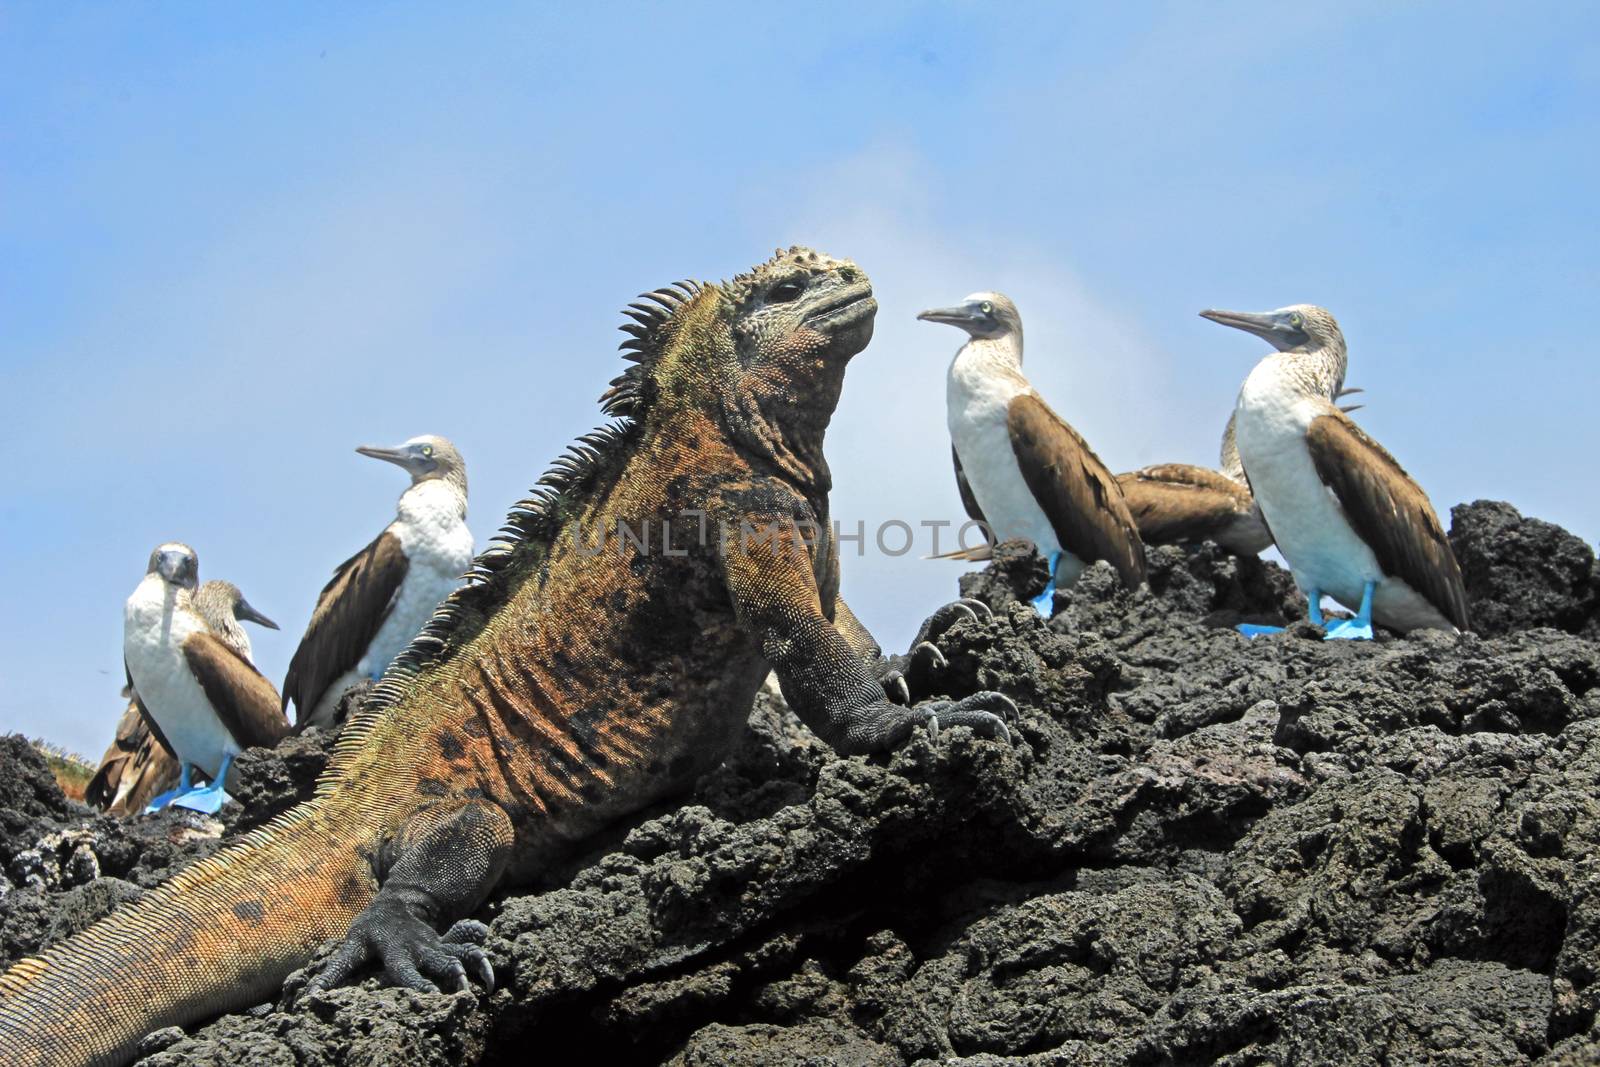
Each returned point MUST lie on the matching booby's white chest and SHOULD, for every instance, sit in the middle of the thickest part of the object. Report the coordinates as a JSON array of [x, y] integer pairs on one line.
[[156, 622], [433, 535], [978, 395]]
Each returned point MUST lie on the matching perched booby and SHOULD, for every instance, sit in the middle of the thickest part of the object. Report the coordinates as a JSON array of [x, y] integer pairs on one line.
[[1022, 471], [1347, 517], [203, 700], [1181, 503], [136, 767], [380, 598]]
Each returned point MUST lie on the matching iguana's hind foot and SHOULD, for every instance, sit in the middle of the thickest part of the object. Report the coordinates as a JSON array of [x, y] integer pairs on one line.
[[410, 951], [447, 859]]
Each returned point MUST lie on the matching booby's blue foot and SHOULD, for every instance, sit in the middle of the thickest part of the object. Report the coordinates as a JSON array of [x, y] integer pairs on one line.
[[207, 798], [1358, 628], [1250, 629], [1349, 630], [1045, 602], [185, 784]]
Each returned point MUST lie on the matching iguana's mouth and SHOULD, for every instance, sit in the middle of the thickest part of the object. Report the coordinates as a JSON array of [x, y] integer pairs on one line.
[[845, 308]]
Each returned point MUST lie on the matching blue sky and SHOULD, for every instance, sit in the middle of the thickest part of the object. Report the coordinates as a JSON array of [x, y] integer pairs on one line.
[[241, 241]]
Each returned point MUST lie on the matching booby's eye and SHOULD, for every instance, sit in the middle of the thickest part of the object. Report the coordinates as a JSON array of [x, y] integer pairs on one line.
[[427, 450], [987, 308], [1296, 321], [786, 291]]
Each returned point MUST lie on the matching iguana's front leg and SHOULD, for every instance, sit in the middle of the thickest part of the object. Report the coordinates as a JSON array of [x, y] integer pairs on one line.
[[445, 862], [825, 680], [889, 674]]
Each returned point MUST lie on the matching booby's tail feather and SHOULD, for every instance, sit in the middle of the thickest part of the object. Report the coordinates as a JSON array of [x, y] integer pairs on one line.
[[980, 554]]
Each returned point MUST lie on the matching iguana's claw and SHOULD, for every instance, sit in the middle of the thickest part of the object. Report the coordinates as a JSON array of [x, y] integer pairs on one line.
[[895, 686], [465, 941], [411, 953], [926, 656], [949, 615]]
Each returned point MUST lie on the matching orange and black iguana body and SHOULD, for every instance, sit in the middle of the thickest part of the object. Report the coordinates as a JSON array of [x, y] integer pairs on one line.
[[587, 670]]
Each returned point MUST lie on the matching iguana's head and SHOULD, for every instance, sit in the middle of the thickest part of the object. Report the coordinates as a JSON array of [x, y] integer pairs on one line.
[[763, 354], [799, 307]]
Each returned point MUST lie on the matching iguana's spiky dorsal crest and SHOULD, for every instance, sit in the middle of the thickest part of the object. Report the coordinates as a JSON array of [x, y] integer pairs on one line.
[[653, 315]]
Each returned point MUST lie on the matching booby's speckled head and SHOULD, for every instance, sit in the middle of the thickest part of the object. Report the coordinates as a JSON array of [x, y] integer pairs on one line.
[[177, 565], [224, 598], [1298, 326], [426, 457], [986, 315]]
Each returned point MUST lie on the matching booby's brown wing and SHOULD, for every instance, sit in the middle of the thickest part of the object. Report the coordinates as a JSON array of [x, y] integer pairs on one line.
[[1076, 491], [244, 700], [1389, 511], [985, 549], [148, 719], [1178, 503], [968, 501], [349, 612]]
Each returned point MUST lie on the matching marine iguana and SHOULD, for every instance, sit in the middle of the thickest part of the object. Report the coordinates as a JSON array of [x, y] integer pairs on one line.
[[602, 655]]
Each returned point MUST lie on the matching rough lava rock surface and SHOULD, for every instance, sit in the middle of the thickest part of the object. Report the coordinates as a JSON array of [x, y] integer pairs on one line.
[[1202, 849]]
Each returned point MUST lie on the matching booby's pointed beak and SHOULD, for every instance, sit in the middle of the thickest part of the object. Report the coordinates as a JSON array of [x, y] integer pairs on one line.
[[956, 316], [245, 613], [1273, 327], [1262, 324], [398, 456]]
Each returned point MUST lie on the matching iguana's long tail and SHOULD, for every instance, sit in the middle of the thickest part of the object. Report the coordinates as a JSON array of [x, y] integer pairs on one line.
[[221, 935]]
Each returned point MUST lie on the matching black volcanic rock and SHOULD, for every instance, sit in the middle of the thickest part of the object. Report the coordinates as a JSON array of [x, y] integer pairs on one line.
[[1521, 573], [1200, 849]]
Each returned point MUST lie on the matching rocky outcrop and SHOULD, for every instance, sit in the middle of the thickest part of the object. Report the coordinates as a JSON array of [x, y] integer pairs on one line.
[[1200, 849]]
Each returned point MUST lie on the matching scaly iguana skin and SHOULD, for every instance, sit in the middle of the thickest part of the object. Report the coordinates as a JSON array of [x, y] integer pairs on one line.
[[562, 688]]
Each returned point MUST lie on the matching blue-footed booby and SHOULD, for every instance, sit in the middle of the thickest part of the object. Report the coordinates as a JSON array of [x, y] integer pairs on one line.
[[1349, 520], [1022, 471], [204, 701], [136, 766], [380, 598]]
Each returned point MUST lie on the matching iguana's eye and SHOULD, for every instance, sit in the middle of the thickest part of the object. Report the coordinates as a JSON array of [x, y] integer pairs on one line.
[[786, 291], [988, 308]]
